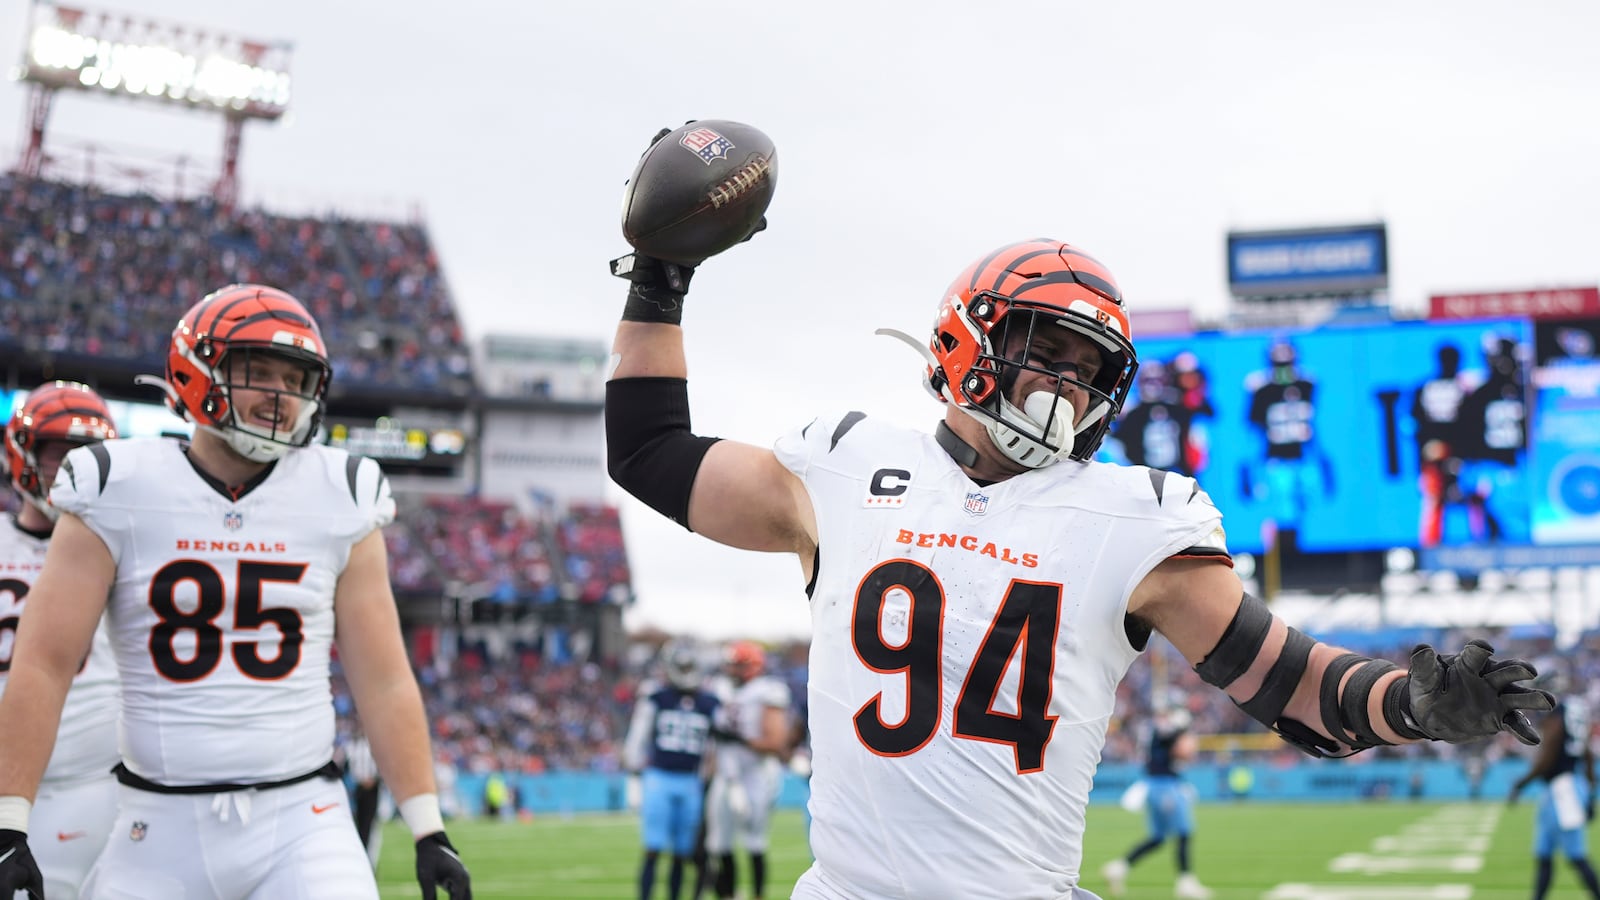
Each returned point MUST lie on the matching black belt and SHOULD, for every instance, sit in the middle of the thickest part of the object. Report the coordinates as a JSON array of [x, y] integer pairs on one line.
[[126, 777]]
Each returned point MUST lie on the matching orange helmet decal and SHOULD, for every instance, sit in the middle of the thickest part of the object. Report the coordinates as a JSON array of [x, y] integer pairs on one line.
[[1052, 283], [66, 411]]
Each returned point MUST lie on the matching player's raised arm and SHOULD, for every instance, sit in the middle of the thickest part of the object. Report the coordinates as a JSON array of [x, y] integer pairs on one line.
[[1324, 700], [733, 493]]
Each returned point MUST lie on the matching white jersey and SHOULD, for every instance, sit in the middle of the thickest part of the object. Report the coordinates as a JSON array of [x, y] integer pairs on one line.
[[221, 617], [86, 742], [742, 713], [966, 645]]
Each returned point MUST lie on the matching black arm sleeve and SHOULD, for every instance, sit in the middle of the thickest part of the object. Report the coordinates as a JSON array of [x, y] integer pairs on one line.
[[650, 451]]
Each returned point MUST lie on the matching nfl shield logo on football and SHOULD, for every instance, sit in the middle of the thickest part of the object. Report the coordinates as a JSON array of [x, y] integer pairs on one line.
[[977, 503], [136, 833], [233, 521], [709, 145]]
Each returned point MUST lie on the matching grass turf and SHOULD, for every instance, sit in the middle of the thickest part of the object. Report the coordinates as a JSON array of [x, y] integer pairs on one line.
[[1240, 851]]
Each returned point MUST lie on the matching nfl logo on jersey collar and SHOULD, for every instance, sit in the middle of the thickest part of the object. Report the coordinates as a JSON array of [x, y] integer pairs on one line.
[[233, 521], [977, 503]]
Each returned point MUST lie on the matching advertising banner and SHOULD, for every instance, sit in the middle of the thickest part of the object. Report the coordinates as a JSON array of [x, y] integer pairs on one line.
[[1341, 260]]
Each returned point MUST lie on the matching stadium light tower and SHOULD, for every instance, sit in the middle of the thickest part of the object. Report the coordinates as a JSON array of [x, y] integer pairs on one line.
[[122, 55]]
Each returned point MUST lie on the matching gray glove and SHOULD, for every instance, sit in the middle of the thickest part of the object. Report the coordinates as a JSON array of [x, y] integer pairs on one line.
[[1469, 696]]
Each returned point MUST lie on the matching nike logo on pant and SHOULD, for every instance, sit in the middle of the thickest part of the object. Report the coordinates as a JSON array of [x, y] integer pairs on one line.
[[70, 835], [319, 810]]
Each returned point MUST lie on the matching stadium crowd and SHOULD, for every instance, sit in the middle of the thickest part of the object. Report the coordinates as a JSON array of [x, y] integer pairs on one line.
[[473, 540], [89, 272], [489, 550], [522, 711]]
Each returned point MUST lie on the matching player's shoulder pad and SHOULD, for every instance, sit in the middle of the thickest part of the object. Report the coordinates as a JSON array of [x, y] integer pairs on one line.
[[825, 432], [359, 480], [1160, 494], [1183, 496], [775, 693], [88, 472], [1173, 491], [827, 436]]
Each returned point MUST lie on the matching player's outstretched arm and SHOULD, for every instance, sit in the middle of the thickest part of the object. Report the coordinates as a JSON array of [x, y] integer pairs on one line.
[[373, 653], [1324, 700]]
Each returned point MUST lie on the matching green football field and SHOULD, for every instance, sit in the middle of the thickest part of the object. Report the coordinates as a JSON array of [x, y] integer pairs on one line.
[[1376, 851]]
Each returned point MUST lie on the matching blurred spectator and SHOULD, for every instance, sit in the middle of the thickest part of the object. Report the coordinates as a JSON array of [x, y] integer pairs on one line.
[[591, 539], [485, 543]]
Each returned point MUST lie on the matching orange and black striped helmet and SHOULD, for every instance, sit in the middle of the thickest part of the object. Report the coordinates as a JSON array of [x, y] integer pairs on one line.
[[65, 411], [217, 336], [1030, 285], [746, 659]]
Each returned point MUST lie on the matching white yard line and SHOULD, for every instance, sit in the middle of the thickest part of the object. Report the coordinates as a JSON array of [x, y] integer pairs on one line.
[[1451, 841]]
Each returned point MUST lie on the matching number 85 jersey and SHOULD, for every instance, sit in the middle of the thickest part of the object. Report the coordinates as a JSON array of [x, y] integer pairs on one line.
[[967, 641], [221, 616]]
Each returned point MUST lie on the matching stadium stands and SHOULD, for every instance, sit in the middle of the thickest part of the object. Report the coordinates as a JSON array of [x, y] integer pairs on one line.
[[89, 272], [590, 537], [486, 548]]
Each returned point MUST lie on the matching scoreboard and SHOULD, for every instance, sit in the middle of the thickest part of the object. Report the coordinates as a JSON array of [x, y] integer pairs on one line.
[[1425, 434]]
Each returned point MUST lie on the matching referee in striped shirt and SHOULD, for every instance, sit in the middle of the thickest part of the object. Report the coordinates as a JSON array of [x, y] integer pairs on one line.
[[365, 788]]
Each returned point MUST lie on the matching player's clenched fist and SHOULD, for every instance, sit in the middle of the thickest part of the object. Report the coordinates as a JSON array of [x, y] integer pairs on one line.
[[438, 866]]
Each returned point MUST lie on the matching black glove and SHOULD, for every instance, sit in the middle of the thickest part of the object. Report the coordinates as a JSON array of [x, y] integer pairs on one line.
[[18, 871], [1588, 809], [656, 288], [1470, 695], [438, 866]]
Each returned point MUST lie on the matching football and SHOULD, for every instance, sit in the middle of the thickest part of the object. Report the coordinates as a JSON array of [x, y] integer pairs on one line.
[[698, 190]]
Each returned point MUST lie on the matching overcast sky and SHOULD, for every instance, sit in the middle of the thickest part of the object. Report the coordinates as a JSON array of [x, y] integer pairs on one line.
[[912, 137]]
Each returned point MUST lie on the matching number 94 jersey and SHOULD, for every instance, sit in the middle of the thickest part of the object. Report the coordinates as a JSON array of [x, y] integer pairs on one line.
[[967, 641], [221, 618]]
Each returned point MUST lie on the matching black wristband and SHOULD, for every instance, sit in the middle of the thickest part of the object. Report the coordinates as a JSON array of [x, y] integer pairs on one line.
[[656, 288], [646, 304], [1397, 710]]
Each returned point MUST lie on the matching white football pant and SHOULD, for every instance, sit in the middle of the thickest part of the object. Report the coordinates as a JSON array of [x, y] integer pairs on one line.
[[68, 826], [290, 843], [740, 806]]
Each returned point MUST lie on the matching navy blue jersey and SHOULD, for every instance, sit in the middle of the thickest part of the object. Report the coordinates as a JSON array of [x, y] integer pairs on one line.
[[1158, 756], [680, 728], [1283, 411], [1574, 713]]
